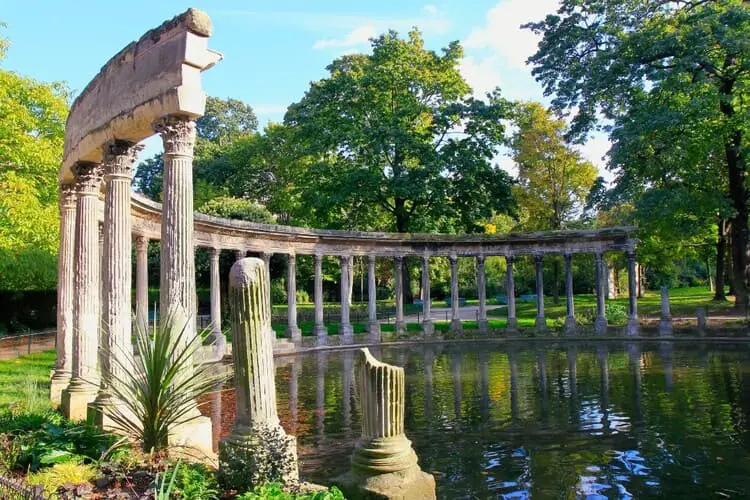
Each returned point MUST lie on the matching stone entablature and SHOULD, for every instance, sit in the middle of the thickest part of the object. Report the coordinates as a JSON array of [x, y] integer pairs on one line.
[[215, 232], [156, 76]]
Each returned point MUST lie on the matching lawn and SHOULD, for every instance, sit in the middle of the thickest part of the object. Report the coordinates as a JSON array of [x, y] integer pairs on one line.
[[25, 380]]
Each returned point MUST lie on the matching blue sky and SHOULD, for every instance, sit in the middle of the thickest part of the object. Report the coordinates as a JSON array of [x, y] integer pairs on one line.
[[272, 50]]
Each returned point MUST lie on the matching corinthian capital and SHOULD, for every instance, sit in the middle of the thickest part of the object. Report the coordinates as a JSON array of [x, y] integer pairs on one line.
[[88, 177], [119, 157], [177, 133], [67, 196]]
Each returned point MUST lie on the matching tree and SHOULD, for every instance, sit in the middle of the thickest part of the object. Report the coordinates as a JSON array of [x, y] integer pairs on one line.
[[553, 179], [597, 56], [225, 120], [235, 208], [397, 132], [32, 131]]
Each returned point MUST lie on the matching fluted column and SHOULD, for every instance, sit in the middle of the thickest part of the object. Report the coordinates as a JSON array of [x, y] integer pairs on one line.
[[398, 267], [86, 295], [570, 316], [632, 295], [218, 340], [345, 327], [256, 421], [512, 323], [428, 327], [177, 283], [141, 282], [116, 324], [455, 326], [541, 321], [266, 258], [482, 323], [319, 329], [292, 330], [65, 278], [373, 326], [600, 324]]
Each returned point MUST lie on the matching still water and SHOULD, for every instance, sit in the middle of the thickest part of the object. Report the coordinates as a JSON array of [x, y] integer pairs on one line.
[[489, 420]]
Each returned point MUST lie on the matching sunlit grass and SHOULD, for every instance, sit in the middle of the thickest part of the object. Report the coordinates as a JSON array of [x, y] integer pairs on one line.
[[25, 380]]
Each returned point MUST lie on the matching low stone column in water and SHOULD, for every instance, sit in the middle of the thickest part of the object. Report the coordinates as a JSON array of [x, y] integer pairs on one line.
[[700, 314], [384, 465], [258, 450], [665, 322]]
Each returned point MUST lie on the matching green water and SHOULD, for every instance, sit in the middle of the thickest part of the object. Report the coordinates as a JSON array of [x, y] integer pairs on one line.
[[623, 420]]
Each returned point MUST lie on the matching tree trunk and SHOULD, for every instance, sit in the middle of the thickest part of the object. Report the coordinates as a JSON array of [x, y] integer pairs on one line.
[[721, 252], [738, 193], [555, 281], [402, 221]]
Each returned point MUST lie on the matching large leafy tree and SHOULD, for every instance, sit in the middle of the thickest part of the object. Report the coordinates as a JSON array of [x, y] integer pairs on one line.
[[598, 56], [397, 133], [32, 129]]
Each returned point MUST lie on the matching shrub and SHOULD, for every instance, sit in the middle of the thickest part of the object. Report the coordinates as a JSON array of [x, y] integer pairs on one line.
[[278, 292], [191, 482], [616, 314], [275, 491], [10, 451], [303, 297], [53, 444], [60, 475]]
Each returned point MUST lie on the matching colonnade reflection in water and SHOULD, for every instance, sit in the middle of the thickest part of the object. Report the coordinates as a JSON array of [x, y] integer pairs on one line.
[[514, 419]]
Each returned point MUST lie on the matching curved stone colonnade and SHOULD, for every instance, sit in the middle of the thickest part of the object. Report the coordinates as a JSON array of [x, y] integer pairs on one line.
[[153, 86]]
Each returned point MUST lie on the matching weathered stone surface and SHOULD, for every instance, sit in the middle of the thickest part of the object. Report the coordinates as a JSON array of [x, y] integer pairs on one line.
[[665, 319], [455, 325], [258, 450], [541, 322], [346, 331], [384, 464], [373, 326]]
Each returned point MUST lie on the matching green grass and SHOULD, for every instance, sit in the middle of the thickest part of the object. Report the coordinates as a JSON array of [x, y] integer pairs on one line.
[[25, 380]]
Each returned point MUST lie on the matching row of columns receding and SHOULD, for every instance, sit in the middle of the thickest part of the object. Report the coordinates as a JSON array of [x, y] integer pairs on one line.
[[94, 285]]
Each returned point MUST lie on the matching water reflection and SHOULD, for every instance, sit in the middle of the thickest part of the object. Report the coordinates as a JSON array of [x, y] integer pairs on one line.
[[515, 421]]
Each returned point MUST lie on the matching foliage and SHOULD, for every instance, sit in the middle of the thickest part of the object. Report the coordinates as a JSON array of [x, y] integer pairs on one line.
[[276, 492], [10, 453], [399, 143], [52, 444], [553, 178], [190, 481], [671, 76], [237, 208], [61, 474], [149, 177], [32, 125], [225, 120], [151, 393]]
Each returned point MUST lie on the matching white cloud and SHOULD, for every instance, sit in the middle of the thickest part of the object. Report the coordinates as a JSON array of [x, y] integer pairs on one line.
[[595, 150], [269, 109], [483, 75], [358, 36], [502, 32], [430, 10]]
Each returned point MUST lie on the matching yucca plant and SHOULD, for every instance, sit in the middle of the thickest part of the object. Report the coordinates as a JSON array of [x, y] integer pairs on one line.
[[158, 389]]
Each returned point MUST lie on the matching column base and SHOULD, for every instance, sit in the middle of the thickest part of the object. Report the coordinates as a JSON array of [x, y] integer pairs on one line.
[[257, 455], [373, 332], [100, 414], [512, 324], [320, 332], [665, 327], [193, 439], [571, 327], [600, 326], [633, 326], [483, 326], [456, 326], [293, 333], [75, 400], [428, 327], [346, 332], [540, 324], [401, 328], [57, 384]]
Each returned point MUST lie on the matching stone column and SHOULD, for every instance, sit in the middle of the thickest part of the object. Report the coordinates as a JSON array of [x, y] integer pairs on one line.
[[319, 329], [512, 323], [239, 254], [398, 267], [266, 258], [177, 284], [600, 324], [383, 464], [292, 330], [65, 293], [455, 326], [373, 326], [116, 351], [141, 283], [632, 295], [258, 450], [217, 336], [482, 323], [428, 327], [86, 294], [665, 321], [570, 316], [346, 331], [541, 321]]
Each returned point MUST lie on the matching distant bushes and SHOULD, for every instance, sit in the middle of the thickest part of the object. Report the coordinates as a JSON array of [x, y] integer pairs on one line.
[[25, 311]]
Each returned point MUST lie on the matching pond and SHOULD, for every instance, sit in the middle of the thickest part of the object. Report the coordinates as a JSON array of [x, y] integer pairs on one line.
[[624, 420]]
